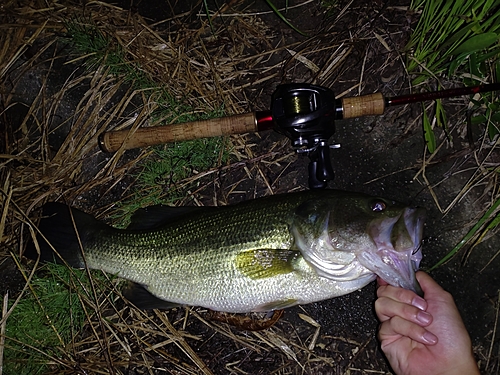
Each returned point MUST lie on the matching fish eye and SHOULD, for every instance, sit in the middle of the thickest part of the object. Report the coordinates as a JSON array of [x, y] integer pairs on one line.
[[378, 206]]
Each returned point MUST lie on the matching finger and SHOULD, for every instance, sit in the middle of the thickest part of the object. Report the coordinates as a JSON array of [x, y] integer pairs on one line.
[[402, 295], [381, 281], [432, 290], [387, 308], [402, 327]]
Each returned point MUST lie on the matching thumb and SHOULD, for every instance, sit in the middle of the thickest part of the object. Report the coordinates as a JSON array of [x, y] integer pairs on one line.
[[431, 288]]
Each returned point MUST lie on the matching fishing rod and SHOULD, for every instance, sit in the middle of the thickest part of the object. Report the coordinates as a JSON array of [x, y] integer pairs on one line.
[[303, 112]]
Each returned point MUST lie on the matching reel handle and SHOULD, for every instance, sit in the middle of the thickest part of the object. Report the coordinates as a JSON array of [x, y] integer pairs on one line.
[[320, 167]]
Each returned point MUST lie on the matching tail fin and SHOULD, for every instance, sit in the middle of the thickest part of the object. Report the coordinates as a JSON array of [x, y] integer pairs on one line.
[[64, 228]]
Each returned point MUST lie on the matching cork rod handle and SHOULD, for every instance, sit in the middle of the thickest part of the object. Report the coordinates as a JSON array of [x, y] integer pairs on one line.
[[237, 124], [366, 105]]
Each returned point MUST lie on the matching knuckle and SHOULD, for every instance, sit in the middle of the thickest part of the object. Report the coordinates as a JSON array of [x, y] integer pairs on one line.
[[381, 290], [410, 312], [403, 295]]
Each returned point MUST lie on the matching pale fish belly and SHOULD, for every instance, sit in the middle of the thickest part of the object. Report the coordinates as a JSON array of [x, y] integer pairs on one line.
[[236, 293], [211, 277]]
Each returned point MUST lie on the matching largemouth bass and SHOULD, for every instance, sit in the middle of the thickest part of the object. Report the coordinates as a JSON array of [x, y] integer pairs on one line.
[[259, 255]]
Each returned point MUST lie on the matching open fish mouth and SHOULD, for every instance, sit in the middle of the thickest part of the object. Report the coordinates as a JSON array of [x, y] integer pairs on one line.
[[399, 243]]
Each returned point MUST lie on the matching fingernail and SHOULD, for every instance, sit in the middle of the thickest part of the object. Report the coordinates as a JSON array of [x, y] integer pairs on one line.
[[429, 338], [424, 317], [419, 302]]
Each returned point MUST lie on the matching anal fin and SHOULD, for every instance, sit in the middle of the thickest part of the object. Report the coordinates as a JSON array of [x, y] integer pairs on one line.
[[143, 299], [277, 305]]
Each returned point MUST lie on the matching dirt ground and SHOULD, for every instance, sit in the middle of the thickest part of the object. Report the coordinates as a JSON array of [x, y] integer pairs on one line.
[[382, 155]]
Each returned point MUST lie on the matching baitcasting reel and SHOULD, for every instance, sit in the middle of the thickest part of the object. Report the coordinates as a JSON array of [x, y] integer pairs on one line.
[[306, 114]]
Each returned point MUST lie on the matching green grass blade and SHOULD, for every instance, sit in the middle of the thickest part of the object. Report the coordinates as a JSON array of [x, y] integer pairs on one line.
[[441, 115], [278, 13], [430, 139], [493, 120], [45, 320], [456, 37], [476, 43], [207, 12]]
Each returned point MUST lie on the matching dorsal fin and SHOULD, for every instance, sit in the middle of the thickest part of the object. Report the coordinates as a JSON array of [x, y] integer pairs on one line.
[[155, 216]]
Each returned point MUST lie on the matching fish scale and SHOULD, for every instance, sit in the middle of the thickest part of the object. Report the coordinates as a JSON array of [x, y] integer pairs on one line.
[[258, 255]]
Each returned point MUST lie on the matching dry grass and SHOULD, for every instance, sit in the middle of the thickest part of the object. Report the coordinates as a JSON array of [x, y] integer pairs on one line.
[[49, 152]]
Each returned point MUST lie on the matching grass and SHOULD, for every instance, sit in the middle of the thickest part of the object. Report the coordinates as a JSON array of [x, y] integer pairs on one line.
[[485, 225], [169, 164], [460, 40], [282, 17], [99, 50], [269, 3], [457, 39], [159, 181], [45, 321], [448, 33], [91, 44]]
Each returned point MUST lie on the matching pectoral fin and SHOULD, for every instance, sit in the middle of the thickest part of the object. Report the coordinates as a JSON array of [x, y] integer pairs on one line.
[[143, 299], [263, 263]]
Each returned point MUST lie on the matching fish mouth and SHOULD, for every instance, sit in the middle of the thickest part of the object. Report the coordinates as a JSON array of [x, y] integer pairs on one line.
[[398, 252]]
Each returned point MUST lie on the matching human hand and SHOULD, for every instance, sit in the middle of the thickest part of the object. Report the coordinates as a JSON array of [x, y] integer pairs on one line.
[[423, 336]]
